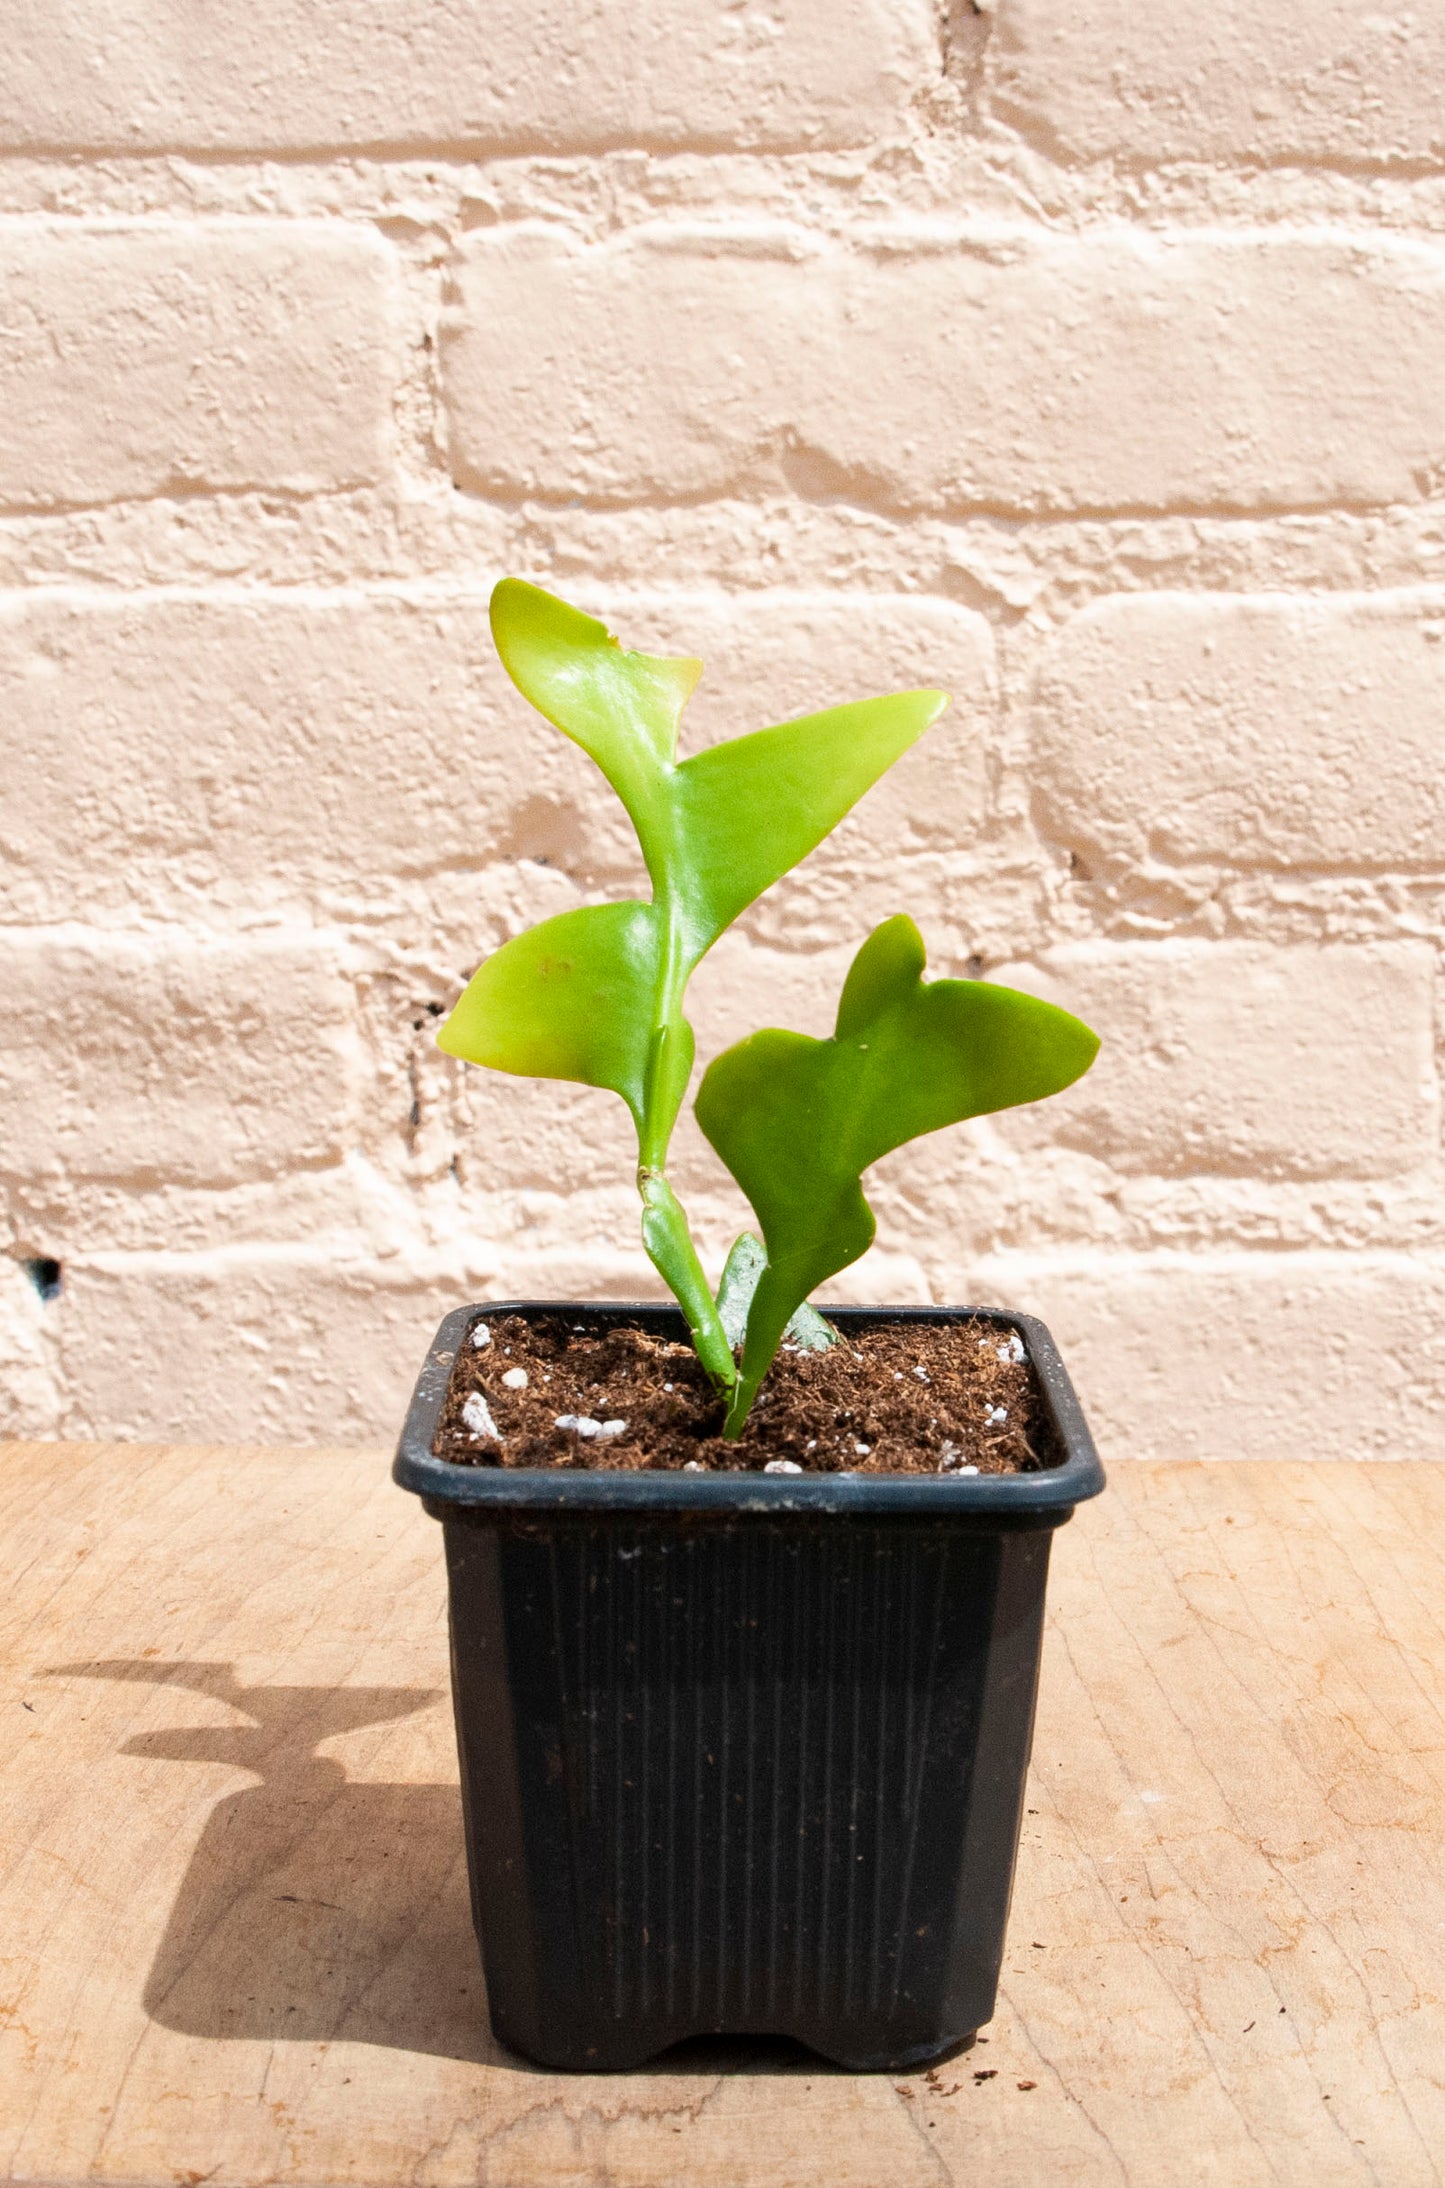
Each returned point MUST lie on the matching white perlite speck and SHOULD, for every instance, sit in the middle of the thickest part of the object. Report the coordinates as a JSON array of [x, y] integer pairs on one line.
[[1013, 1350], [477, 1415], [582, 1424], [995, 1416], [782, 1466], [515, 1378], [693, 1466], [862, 1449], [481, 1335]]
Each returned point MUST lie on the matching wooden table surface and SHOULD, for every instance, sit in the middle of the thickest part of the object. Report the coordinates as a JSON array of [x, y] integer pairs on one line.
[[234, 1938]]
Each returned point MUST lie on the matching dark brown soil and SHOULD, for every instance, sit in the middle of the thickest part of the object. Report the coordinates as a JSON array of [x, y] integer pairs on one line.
[[910, 1398]]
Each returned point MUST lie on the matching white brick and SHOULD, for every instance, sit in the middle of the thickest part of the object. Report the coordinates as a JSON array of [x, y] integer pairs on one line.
[[1114, 369], [1174, 1356], [250, 703], [279, 747], [244, 1349], [264, 748], [549, 74], [171, 357], [1270, 732], [158, 1058], [515, 1138], [316, 1344], [1244, 1356], [1237, 1057], [74, 1216], [1306, 80]]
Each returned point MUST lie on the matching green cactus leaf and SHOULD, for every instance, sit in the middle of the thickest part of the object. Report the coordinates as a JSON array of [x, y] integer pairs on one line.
[[622, 708], [750, 809], [570, 999], [798, 1121]]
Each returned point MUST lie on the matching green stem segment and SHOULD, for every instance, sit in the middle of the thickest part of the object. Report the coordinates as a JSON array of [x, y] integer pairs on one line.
[[665, 1231], [669, 1244]]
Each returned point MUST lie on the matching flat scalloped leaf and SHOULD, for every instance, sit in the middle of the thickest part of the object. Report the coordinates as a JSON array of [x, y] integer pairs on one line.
[[750, 809], [570, 999], [622, 708], [797, 1121]]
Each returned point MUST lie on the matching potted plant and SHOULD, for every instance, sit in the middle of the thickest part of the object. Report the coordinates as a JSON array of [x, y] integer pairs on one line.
[[744, 1662]]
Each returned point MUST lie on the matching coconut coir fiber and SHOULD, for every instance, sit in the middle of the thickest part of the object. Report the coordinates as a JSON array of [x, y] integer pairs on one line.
[[905, 1398]]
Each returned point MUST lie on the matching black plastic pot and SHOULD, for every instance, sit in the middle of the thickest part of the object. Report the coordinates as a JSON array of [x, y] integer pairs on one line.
[[743, 1753]]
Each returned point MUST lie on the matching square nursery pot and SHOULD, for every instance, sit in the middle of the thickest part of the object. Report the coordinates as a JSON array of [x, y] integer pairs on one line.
[[743, 1753]]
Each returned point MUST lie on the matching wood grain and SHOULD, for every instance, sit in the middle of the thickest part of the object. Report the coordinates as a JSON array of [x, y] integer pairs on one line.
[[234, 1939]]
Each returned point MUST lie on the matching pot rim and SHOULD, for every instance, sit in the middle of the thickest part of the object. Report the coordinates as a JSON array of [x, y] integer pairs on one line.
[[1043, 1499]]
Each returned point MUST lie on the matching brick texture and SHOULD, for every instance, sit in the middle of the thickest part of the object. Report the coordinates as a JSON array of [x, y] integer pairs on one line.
[[1250, 1356], [163, 360], [1275, 732], [555, 74], [1305, 80], [259, 746], [1084, 362], [1248, 1059], [1002, 368], [291, 1348], [160, 1057]]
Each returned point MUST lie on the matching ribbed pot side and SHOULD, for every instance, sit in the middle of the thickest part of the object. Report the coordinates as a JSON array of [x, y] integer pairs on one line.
[[748, 1778], [744, 1769]]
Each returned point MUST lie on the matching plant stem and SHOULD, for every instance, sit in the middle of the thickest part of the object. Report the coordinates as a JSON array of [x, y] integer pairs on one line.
[[669, 1244], [665, 1231]]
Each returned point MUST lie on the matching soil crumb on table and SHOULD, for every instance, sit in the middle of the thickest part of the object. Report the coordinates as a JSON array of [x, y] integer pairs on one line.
[[906, 1398]]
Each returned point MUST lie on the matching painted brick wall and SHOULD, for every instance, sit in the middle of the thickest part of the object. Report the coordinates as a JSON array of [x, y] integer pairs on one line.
[[1088, 361]]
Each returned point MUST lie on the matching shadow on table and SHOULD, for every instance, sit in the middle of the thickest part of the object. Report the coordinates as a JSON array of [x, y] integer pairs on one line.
[[319, 1908], [316, 1907]]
